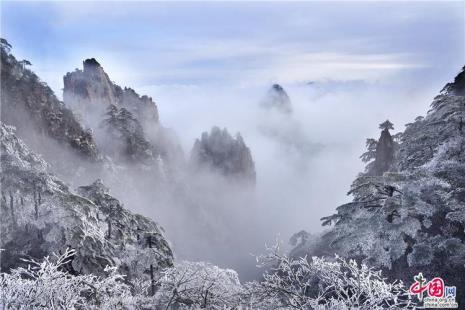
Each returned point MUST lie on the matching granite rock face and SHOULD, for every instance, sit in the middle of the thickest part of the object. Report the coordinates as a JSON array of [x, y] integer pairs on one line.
[[40, 215], [132, 121], [384, 154], [220, 152], [85, 89]]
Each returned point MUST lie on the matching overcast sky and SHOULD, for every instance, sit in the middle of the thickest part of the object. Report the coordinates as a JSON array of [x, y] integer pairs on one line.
[[157, 43], [346, 66]]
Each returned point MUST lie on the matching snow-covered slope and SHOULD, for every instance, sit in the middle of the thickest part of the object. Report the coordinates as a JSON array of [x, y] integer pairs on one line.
[[41, 215], [40, 118]]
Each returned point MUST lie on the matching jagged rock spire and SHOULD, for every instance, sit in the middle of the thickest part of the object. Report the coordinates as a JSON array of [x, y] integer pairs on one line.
[[93, 87], [104, 105], [278, 99], [384, 150], [222, 153]]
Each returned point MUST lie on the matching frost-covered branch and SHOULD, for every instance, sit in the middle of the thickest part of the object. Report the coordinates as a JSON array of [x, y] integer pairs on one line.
[[46, 285], [318, 283], [287, 283]]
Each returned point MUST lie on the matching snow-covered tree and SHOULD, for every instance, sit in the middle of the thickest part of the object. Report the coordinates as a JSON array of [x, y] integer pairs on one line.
[[47, 285], [194, 285], [288, 283], [370, 154], [386, 125], [410, 218], [317, 283], [47, 217], [126, 130], [5, 46]]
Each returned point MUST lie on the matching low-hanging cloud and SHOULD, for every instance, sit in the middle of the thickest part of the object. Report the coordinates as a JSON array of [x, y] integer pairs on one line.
[[343, 78]]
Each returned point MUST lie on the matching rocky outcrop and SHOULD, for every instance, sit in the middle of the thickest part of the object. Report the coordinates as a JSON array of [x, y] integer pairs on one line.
[[41, 215], [277, 99], [218, 151], [384, 154], [277, 122], [31, 106], [91, 89], [136, 134]]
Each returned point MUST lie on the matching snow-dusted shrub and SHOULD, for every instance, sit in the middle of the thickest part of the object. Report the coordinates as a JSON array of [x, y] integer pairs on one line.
[[287, 284], [46, 285], [317, 283], [195, 285]]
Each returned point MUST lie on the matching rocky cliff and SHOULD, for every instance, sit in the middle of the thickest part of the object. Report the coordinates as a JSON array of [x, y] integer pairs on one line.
[[40, 118], [85, 89], [131, 120], [218, 151], [41, 215]]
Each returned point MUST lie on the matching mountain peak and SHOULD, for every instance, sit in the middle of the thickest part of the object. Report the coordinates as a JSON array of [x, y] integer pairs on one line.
[[90, 63], [277, 88], [221, 152], [278, 99], [91, 88]]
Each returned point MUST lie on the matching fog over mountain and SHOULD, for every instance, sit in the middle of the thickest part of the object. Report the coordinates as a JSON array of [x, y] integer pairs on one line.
[[148, 164]]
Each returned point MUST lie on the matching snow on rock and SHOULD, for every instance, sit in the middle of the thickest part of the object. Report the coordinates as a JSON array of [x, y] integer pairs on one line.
[[40, 215]]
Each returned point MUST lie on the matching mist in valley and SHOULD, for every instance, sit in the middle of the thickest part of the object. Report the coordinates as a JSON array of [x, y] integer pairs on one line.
[[305, 158]]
